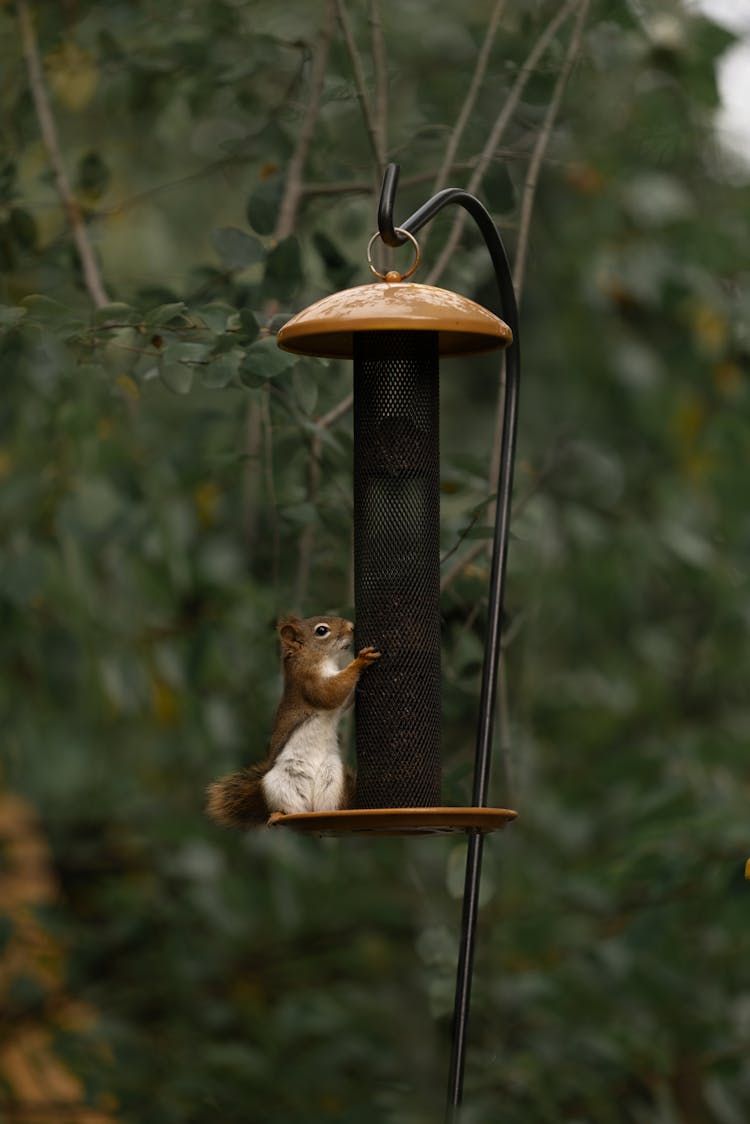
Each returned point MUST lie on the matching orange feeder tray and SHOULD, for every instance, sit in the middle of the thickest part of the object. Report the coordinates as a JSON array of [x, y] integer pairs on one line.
[[396, 821]]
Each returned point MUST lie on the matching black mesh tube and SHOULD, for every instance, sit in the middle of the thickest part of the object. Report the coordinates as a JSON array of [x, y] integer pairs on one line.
[[397, 567]]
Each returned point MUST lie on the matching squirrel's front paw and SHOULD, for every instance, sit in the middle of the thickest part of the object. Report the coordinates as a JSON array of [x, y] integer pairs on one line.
[[369, 655]]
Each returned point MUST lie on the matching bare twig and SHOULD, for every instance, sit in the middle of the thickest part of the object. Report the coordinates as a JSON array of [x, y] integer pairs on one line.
[[527, 204], [293, 185], [490, 148], [469, 101], [550, 466], [307, 537], [361, 86], [465, 533], [293, 194], [461, 564], [540, 147], [48, 127], [336, 412], [360, 187], [376, 128], [307, 190], [529, 193], [381, 77]]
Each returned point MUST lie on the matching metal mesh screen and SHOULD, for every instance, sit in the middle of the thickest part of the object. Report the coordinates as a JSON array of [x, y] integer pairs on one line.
[[397, 567]]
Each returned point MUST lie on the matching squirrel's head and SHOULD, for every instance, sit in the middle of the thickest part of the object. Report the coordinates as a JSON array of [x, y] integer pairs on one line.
[[316, 636]]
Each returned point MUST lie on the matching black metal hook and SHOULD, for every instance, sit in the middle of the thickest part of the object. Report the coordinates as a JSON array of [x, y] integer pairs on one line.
[[509, 312], [386, 205]]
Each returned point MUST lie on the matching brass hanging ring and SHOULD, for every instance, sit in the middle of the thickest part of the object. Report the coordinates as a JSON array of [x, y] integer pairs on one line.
[[392, 275]]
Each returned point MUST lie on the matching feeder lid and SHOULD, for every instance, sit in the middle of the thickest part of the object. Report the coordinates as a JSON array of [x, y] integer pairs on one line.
[[326, 327]]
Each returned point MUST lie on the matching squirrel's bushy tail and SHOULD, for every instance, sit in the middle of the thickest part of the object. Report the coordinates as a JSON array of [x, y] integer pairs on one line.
[[237, 800]]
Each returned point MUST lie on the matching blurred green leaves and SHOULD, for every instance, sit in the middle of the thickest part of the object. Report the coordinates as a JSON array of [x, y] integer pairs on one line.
[[264, 361], [263, 204], [236, 248]]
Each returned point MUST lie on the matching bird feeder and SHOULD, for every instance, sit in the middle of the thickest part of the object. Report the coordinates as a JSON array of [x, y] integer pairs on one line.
[[396, 331]]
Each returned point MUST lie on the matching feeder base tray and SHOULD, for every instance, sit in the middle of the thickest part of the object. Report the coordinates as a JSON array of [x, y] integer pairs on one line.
[[395, 821]]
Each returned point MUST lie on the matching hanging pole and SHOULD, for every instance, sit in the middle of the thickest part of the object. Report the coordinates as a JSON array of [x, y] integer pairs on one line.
[[389, 232]]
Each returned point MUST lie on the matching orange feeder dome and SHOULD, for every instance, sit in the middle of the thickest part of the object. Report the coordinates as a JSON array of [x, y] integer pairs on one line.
[[326, 328]]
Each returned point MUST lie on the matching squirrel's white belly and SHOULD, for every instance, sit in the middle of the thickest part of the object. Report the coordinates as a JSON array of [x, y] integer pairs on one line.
[[308, 774]]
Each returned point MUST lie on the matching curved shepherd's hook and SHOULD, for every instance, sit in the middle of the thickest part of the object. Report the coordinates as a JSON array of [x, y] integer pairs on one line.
[[509, 312]]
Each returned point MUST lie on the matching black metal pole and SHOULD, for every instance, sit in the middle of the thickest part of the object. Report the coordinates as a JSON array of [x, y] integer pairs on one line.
[[492, 652]]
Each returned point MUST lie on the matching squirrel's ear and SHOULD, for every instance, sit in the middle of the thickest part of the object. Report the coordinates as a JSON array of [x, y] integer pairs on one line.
[[291, 634]]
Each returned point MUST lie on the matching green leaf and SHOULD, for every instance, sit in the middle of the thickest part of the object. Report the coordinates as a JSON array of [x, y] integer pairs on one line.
[[177, 377], [224, 342], [221, 369], [283, 268], [339, 269], [165, 314], [119, 312], [11, 315], [93, 174], [235, 248], [51, 314], [263, 361], [263, 205], [244, 324], [216, 315], [186, 351]]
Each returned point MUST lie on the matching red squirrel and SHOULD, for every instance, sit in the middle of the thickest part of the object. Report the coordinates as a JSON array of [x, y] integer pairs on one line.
[[303, 770]]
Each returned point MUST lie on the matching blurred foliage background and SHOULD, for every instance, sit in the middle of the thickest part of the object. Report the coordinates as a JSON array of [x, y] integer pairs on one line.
[[175, 180]]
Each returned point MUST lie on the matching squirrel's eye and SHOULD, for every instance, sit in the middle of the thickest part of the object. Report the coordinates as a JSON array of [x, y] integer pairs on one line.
[[322, 630]]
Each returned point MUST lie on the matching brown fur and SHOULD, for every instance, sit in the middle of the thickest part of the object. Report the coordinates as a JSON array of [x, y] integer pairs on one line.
[[237, 800]]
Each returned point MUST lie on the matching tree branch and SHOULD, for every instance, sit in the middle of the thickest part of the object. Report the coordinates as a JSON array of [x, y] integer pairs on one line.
[[48, 128], [495, 136], [360, 187], [293, 190], [381, 77], [550, 466], [469, 101], [527, 205], [540, 147], [361, 86], [471, 96], [307, 536], [336, 412]]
